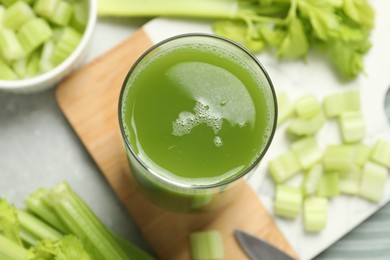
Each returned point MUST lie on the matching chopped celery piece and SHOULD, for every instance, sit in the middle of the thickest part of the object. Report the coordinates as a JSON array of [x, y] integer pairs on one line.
[[306, 127], [285, 107], [200, 201], [363, 153], [20, 68], [82, 222], [307, 151], [80, 15], [312, 179], [10, 47], [33, 64], [45, 63], [34, 33], [315, 213], [284, 166], [35, 204], [307, 106], [45, 8], [17, 14], [207, 245], [65, 45], [9, 250], [381, 153], [6, 72], [329, 185], [347, 101], [7, 3], [62, 13], [352, 126], [288, 201], [350, 182], [9, 224], [339, 158], [37, 227], [373, 181]]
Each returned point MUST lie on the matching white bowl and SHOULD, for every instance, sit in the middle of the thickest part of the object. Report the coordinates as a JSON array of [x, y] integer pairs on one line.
[[50, 78]]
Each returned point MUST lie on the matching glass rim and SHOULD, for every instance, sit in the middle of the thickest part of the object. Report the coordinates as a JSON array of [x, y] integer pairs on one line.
[[172, 182]]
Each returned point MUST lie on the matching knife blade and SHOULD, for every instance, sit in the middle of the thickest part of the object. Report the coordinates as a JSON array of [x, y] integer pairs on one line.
[[258, 249]]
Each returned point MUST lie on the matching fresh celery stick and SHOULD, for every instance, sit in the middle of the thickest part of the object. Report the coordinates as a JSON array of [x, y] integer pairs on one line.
[[82, 222], [340, 158], [373, 181], [9, 250], [350, 182], [315, 214], [17, 14], [363, 153], [80, 16], [45, 8], [62, 14], [306, 127], [34, 33], [307, 107], [381, 153], [67, 42], [9, 224], [45, 63], [347, 101], [10, 47], [33, 64], [312, 180], [35, 204], [352, 126], [6, 72], [329, 185], [20, 67], [28, 237], [288, 201], [37, 227], [307, 151], [284, 166], [206, 245], [285, 107], [132, 251]]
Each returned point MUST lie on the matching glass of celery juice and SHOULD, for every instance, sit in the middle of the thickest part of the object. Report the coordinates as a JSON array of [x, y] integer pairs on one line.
[[197, 113]]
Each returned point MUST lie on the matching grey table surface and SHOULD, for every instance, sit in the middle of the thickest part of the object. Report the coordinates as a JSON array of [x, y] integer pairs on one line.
[[39, 148]]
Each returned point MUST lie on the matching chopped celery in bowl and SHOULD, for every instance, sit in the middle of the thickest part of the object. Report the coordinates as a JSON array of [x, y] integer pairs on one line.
[[42, 41]]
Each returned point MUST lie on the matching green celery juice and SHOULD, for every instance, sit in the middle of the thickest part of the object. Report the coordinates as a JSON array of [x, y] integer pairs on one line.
[[196, 115]]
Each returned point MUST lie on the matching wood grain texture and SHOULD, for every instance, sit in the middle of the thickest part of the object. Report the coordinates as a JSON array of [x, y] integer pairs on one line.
[[89, 100]]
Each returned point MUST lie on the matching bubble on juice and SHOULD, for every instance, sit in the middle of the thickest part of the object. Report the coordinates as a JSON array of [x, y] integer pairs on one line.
[[218, 141]]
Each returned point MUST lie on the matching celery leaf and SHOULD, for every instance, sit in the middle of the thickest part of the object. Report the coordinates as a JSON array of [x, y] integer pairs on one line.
[[295, 43]]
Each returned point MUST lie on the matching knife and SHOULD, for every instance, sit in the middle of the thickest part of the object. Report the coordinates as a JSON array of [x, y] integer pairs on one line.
[[258, 249]]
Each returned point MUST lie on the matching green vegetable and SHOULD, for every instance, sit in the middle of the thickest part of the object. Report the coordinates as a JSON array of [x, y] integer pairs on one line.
[[6, 72], [9, 250], [17, 14], [352, 126], [329, 185], [381, 153], [284, 166], [285, 107], [363, 153], [307, 151], [340, 28], [9, 225], [305, 127], [288, 201], [315, 213], [10, 47], [373, 181], [307, 107], [347, 101], [207, 245], [350, 182], [340, 158], [65, 44], [312, 180]]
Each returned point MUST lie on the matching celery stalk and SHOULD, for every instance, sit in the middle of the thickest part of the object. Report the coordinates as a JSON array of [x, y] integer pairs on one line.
[[315, 213], [9, 224], [312, 180], [339, 158], [6, 72], [347, 101], [284, 166], [10, 47], [363, 153], [285, 107], [288, 201], [37, 227], [352, 126], [28, 237], [62, 13], [350, 182], [79, 17], [83, 223], [307, 107], [373, 181], [9, 250], [132, 251], [329, 185], [206, 245], [381, 153], [305, 127], [307, 151], [17, 14], [34, 33]]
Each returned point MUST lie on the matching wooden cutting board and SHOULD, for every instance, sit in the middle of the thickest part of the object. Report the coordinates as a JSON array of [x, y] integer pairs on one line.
[[89, 100]]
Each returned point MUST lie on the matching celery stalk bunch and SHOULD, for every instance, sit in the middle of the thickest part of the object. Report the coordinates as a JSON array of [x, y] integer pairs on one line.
[[340, 28]]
